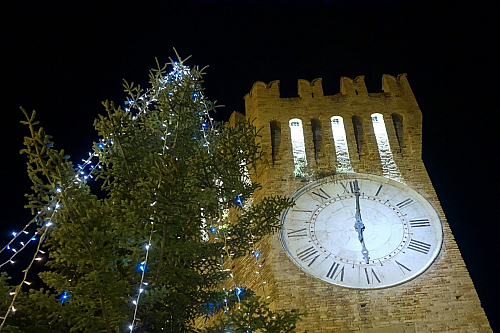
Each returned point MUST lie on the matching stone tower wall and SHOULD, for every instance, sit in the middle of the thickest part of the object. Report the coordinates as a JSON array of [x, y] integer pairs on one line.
[[442, 299]]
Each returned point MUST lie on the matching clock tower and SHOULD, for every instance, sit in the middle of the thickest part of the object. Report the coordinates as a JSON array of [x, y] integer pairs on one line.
[[366, 247]]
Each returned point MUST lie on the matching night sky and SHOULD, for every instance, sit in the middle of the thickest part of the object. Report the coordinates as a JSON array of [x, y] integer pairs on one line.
[[63, 58]]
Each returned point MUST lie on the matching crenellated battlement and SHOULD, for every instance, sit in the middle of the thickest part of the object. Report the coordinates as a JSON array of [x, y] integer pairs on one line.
[[357, 86], [262, 90], [345, 118], [310, 89], [393, 86]]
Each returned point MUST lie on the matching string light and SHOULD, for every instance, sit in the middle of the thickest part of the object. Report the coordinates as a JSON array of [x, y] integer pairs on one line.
[[88, 167], [18, 288]]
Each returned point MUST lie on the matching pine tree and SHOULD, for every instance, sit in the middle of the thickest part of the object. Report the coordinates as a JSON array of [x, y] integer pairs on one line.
[[158, 226]]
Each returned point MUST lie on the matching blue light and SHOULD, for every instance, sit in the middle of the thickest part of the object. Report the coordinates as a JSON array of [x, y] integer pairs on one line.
[[239, 291], [238, 201], [256, 254], [100, 146], [213, 230], [141, 267], [64, 297]]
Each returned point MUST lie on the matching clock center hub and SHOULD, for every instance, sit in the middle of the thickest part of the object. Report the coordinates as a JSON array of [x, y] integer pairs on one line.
[[332, 229]]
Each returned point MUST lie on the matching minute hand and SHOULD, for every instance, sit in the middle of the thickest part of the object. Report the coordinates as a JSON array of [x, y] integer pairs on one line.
[[358, 225]]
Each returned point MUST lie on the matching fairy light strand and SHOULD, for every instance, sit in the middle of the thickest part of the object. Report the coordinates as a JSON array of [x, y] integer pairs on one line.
[[25, 276], [86, 170], [146, 99], [142, 283]]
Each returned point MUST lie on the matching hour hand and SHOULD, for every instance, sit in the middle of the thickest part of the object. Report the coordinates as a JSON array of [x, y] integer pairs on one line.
[[360, 227]]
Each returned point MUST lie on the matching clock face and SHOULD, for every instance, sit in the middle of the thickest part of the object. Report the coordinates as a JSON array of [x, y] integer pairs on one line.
[[399, 236]]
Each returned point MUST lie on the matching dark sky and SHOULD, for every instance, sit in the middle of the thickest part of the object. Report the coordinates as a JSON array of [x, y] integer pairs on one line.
[[63, 58]]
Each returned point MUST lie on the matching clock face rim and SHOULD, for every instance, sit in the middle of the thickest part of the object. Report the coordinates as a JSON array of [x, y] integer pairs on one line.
[[429, 208]]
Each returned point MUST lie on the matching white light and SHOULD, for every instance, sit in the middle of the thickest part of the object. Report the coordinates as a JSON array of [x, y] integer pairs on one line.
[[389, 166], [298, 146], [339, 138], [48, 224]]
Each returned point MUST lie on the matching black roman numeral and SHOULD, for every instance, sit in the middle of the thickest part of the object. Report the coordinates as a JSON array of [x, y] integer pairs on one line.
[[322, 194], [297, 233], [404, 203], [348, 187], [308, 255], [418, 223], [335, 269], [302, 211], [403, 267], [371, 276], [419, 246], [378, 191]]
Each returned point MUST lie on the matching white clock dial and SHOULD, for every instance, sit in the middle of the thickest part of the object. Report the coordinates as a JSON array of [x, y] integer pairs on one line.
[[397, 237]]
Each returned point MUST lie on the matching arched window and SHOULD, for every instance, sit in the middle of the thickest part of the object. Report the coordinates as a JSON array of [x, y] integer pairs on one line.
[[298, 147], [275, 138], [340, 141], [389, 167], [358, 133], [317, 137], [397, 120]]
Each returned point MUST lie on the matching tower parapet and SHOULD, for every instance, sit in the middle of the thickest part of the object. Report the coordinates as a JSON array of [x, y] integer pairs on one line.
[[357, 86], [308, 89], [262, 90], [353, 110]]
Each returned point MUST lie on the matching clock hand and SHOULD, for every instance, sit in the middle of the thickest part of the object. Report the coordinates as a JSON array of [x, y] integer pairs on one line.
[[358, 225]]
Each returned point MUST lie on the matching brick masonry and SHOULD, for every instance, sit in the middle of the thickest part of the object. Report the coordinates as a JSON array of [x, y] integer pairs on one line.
[[442, 299]]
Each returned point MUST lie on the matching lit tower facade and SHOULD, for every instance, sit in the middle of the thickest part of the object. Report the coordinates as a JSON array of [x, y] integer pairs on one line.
[[366, 247]]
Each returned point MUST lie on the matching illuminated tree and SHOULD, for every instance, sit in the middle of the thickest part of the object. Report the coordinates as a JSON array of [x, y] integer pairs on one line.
[[146, 252]]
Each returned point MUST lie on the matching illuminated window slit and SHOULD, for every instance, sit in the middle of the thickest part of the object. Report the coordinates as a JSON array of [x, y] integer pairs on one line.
[[339, 138], [298, 147], [389, 166]]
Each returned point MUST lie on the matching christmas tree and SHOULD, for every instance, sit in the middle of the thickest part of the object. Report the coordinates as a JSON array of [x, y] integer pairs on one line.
[[146, 251]]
